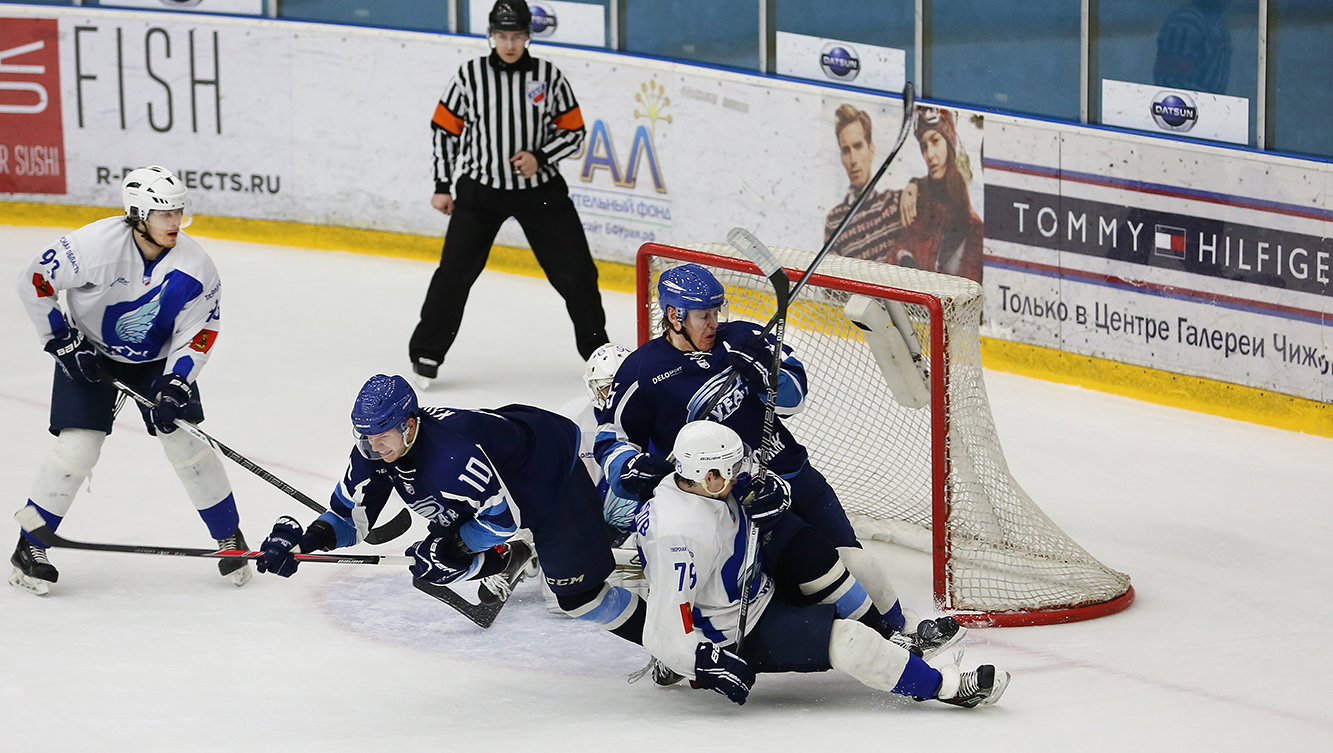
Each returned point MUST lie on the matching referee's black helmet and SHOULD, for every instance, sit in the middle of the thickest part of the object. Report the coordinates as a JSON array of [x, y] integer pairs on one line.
[[511, 15]]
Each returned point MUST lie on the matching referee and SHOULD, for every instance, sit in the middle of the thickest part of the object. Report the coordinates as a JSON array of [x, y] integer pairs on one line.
[[499, 129]]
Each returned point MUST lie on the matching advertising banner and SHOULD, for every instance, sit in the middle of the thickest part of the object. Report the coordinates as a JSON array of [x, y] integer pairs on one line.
[[32, 141], [927, 209], [1158, 109], [865, 65], [1148, 254]]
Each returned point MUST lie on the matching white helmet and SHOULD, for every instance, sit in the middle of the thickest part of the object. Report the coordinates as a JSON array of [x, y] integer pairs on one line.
[[703, 446], [149, 189], [601, 371]]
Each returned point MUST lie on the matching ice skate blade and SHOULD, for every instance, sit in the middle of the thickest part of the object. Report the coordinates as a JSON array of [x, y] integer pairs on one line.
[[31, 585], [422, 383], [241, 576]]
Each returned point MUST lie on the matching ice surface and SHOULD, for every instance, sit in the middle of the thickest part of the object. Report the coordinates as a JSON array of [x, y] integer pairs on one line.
[[1224, 527]]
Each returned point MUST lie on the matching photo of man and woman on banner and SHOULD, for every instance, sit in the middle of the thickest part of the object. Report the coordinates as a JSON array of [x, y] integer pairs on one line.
[[926, 210]]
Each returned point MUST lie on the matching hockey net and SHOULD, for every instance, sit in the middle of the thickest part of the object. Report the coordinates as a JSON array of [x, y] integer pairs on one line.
[[932, 478]]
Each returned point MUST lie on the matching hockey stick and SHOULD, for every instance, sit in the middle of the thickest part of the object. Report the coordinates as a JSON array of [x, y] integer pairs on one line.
[[387, 532], [745, 242], [482, 614], [32, 521], [909, 118]]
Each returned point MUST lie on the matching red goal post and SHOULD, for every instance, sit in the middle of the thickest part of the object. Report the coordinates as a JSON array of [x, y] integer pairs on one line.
[[933, 477]]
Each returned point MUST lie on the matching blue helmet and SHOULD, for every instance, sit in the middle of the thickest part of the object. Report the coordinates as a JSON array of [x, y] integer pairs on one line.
[[384, 403], [689, 287]]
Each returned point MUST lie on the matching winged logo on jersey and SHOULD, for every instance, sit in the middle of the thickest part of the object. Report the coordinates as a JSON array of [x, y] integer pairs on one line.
[[133, 327], [722, 407]]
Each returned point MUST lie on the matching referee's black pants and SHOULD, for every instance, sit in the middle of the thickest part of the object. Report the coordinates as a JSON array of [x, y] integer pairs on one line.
[[552, 226]]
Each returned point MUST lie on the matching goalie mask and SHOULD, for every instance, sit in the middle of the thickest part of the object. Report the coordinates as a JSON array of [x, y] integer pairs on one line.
[[601, 371], [709, 454], [385, 403], [154, 196]]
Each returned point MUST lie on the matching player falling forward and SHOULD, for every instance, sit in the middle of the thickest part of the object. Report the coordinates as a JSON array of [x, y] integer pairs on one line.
[[142, 304], [478, 476], [670, 380], [692, 535]]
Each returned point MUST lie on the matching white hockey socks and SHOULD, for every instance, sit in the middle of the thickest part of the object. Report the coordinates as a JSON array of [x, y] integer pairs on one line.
[[872, 574], [864, 654], [877, 663], [199, 468], [64, 469]]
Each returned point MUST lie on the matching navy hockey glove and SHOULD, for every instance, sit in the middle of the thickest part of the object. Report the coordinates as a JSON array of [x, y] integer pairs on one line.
[[751, 358], [173, 394], [721, 671], [440, 559], [641, 475], [77, 357], [277, 548], [771, 499]]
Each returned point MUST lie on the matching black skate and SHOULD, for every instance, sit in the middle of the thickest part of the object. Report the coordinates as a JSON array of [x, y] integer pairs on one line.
[[498, 587], [236, 568], [980, 687], [32, 570], [424, 371]]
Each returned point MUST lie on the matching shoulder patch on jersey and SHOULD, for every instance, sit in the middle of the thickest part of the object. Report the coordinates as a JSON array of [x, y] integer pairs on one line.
[[203, 342], [44, 289]]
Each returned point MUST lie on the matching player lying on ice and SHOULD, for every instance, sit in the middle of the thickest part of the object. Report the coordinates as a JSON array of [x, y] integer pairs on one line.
[[478, 476], [806, 613], [670, 380]]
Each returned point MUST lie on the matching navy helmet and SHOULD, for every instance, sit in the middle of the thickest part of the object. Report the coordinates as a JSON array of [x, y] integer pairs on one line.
[[510, 15], [384, 403], [689, 287]]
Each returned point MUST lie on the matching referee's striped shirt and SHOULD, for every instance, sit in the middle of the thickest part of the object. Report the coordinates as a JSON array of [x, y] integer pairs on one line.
[[492, 111]]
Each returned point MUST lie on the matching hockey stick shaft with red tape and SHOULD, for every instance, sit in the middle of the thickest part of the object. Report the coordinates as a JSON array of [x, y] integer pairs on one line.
[[31, 520]]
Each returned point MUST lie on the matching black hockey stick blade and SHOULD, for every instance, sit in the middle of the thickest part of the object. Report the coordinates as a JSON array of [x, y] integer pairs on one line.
[[31, 521], [482, 614], [391, 530], [387, 532]]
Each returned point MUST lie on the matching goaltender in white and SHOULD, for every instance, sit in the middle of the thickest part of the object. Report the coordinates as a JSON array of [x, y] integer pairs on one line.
[[692, 535]]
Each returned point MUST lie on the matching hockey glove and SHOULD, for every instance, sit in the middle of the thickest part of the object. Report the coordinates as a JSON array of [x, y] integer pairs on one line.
[[440, 559], [771, 499], [77, 357], [641, 475], [173, 394], [277, 548], [751, 357], [721, 671]]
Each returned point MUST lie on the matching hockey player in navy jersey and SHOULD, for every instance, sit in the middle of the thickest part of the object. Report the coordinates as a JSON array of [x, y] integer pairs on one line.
[[669, 381], [478, 476], [806, 614], [142, 302]]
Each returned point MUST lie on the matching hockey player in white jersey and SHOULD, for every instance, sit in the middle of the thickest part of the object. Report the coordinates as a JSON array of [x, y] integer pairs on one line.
[[142, 303], [692, 535]]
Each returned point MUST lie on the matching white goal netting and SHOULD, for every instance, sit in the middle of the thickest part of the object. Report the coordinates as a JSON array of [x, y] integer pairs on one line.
[[899, 470]]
